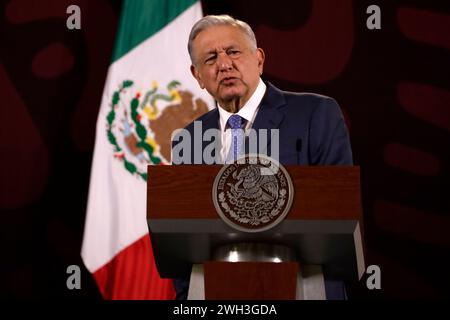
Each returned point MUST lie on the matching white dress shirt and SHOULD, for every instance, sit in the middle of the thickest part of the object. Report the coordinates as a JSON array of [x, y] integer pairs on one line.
[[248, 112]]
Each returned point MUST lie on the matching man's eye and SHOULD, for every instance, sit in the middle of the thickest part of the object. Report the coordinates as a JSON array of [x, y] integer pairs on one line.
[[233, 52], [210, 60]]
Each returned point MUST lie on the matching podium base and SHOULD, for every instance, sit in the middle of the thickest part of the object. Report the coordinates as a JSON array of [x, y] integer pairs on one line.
[[256, 271], [310, 283]]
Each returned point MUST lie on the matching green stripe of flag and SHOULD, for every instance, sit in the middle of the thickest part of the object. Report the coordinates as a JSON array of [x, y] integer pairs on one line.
[[140, 19]]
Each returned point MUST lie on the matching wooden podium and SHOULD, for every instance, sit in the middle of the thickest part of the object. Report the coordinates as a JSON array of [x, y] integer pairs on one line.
[[323, 228]]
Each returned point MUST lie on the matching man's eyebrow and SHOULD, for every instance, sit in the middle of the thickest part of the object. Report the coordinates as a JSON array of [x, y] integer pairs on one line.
[[214, 51], [233, 46]]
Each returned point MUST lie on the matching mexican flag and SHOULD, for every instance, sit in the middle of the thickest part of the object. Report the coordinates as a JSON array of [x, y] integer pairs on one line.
[[149, 93]]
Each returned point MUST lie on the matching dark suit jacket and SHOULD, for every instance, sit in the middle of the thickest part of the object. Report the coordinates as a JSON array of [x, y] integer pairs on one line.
[[312, 132], [311, 127]]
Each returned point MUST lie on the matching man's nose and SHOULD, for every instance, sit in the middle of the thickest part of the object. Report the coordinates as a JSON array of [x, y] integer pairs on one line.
[[224, 62]]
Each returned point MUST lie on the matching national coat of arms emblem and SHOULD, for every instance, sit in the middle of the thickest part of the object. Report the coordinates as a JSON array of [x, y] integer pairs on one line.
[[253, 194], [139, 123]]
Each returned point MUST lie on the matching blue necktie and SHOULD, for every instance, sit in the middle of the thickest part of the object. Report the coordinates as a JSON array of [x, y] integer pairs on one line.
[[236, 123]]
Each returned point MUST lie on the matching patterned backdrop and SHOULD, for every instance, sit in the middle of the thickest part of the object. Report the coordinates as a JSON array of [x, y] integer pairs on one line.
[[392, 84]]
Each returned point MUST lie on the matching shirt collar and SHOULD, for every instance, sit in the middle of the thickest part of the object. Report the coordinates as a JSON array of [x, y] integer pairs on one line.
[[248, 111]]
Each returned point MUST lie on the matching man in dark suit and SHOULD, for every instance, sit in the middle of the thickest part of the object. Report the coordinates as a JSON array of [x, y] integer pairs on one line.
[[228, 64]]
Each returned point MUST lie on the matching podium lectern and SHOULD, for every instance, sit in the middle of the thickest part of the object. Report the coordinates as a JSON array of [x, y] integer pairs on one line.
[[322, 228]]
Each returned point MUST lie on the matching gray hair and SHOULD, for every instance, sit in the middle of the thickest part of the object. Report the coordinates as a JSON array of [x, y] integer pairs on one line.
[[220, 20]]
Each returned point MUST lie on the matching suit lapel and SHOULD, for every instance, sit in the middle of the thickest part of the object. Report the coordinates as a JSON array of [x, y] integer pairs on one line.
[[269, 115], [211, 121]]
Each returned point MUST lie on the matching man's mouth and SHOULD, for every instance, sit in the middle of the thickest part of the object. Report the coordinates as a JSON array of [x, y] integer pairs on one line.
[[228, 80]]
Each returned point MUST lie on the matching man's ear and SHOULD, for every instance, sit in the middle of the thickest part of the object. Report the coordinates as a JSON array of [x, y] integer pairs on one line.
[[261, 56], [197, 76]]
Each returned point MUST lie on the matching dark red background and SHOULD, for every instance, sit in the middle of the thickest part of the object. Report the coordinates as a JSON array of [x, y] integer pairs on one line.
[[392, 84]]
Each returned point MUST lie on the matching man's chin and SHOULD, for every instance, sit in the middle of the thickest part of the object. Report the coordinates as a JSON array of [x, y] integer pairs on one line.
[[231, 94]]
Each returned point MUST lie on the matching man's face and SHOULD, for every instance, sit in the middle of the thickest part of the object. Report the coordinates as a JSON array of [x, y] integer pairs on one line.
[[226, 66]]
